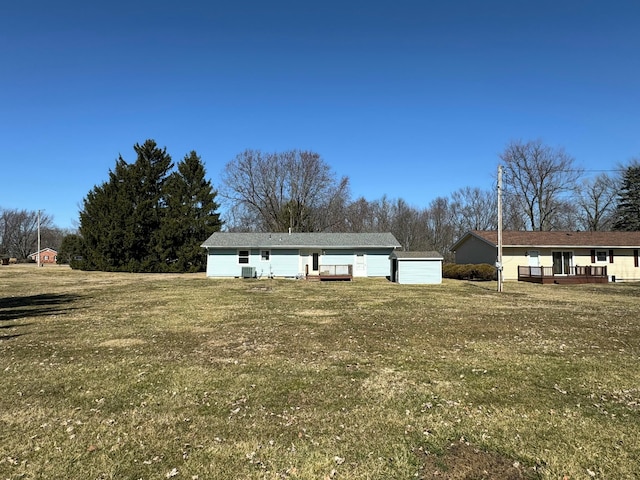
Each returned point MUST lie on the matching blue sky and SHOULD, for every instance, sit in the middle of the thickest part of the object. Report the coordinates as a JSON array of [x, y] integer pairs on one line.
[[412, 99]]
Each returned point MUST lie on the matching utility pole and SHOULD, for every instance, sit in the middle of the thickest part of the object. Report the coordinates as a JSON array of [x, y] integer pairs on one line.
[[499, 261], [39, 238]]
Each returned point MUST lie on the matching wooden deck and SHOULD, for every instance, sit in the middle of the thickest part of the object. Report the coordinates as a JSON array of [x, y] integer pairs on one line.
[[576, 275], [331, 273]]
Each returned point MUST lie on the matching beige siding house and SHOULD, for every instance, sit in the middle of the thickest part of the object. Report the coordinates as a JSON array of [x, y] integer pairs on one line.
[[613, 255]]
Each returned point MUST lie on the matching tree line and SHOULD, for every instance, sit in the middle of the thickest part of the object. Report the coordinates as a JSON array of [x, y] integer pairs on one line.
[[544, 189], [153, 215]]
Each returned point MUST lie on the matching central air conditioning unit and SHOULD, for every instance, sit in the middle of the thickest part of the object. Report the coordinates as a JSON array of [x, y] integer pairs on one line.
[[248, 272]]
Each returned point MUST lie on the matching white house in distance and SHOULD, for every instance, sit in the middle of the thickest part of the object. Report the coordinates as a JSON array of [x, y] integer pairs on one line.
[[321, 256], [555, 257]]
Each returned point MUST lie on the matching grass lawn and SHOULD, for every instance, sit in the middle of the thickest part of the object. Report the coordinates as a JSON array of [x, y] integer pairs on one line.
[[128, 376]]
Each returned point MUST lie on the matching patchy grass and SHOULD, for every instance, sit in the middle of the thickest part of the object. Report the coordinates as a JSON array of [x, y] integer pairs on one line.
[[111, 376]]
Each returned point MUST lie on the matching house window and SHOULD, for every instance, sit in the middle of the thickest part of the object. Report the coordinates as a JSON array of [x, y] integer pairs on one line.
[[265, 255], [46, 257], [601, 256], [243, 256]]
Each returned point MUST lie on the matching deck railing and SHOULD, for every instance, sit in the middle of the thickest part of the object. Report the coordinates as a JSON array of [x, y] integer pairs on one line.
[[336, 270], [525, 272]]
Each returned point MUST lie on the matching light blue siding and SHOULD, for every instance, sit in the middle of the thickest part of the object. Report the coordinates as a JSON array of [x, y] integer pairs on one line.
[[282, 263], [287, 262], [224, 263], [337, 257], [378, 263], [419, 271]]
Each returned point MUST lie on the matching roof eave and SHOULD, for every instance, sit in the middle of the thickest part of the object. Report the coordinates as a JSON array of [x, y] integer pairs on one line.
[[324, 247]]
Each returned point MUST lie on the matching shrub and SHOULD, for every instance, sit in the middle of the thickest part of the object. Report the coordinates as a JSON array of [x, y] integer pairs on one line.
[[452, 270], [480, 271]]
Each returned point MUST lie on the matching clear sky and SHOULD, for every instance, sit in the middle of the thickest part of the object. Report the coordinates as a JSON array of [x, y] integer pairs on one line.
[[413, 99]]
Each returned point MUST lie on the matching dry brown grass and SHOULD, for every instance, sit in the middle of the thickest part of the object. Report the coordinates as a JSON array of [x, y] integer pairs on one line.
[[160, 376]]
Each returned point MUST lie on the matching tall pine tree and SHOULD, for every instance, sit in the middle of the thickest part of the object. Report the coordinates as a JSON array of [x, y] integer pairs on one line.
[[190, 215], [120, 218], [150, 172], [104, 222], [146, 218], [627, 217]]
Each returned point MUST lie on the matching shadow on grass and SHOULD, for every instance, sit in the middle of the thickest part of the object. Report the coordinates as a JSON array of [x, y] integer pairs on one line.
[[13, 325], [9, 337], [15, 308]]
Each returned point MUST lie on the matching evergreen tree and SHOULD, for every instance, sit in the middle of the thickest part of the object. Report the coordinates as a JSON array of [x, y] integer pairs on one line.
[[627, 216], [71, 251], [106, 211], [190, 216], [150, 172], [121, 218], [146, 218]]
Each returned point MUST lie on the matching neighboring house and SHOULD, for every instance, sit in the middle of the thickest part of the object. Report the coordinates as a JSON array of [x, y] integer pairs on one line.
[[47, 255], [416, 267], [311, 255], [555, 257]]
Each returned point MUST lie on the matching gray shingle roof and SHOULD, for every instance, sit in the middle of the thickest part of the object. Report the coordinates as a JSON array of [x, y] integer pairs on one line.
[[301, 240], [418, 255]]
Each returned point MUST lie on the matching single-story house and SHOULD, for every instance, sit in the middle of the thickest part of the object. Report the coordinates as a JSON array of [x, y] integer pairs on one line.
[[47, 255], [300, 255], [416, 267], [555, 257]]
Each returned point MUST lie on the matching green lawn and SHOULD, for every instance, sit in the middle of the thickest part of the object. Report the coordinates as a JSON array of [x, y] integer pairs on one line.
[[127, 376]]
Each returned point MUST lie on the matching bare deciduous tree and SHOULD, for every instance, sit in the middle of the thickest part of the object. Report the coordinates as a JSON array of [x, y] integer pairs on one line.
[[537, 176], [441, 226], [596, 202], [383, 213], [474, 209], [360, 216], [278, 191], [409, 226], [565, 217], [19, 232]]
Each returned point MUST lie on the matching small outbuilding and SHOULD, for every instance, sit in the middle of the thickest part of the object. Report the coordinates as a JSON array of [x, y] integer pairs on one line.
[[416, 267]]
